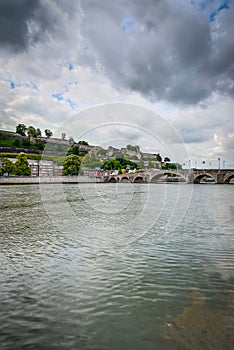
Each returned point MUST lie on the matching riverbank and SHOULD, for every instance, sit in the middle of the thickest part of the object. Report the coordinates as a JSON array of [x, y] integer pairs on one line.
[[49, 180]]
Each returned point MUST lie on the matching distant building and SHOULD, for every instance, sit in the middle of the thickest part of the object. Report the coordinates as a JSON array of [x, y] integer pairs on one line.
[[93, 172], [41, 168], [134, 153], [111, 151], [149, 156], [58, 170], [94, 150]]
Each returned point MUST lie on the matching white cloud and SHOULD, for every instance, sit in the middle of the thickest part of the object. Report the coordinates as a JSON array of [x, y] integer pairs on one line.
[[86, 59]]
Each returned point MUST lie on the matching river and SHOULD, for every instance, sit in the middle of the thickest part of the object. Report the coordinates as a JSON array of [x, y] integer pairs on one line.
[[117, 266]]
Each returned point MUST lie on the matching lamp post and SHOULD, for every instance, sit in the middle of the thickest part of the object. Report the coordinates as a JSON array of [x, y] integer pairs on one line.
[[219, 163], [38, 167], [195, 164], [223, 164], [189, 164]]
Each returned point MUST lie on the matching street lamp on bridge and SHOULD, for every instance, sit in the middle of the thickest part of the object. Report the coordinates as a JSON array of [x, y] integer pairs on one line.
[[219, 163]]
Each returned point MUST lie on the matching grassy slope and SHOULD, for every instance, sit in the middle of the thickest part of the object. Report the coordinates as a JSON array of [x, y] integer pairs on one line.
[[13, 141], [56, 159]]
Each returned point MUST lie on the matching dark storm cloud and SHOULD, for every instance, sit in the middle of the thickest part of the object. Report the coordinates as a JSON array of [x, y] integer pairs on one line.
[[14, 15], [163, 49], [178, 51], [25, 22]]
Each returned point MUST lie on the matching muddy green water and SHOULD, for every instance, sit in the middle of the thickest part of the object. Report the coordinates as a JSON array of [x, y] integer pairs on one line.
[[117, 266]]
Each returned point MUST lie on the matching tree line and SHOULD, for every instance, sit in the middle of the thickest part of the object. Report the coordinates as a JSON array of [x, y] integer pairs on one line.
[[22, 130], [19, 168], [73, 163]]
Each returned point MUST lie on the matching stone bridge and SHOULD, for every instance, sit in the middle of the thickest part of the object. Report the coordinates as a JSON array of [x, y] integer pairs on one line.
[[220, 176]]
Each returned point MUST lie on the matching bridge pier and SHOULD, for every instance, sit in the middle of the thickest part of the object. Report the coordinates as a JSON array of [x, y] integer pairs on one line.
[[219, 178], [190, 177]]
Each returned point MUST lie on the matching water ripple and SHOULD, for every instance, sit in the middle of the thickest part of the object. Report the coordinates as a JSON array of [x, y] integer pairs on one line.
[[80, 287]]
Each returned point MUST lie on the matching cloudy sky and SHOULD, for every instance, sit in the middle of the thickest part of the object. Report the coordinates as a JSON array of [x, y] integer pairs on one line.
[[156, 73]]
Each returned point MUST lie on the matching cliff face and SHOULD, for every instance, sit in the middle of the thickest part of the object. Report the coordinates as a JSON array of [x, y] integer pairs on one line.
[[10, 142]]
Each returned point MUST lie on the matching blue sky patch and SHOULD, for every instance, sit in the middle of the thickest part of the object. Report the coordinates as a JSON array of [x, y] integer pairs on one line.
[[58, 96], [212, 6], [223, 6], [12, 85], [128, 24], [70, 66], [71, 103]]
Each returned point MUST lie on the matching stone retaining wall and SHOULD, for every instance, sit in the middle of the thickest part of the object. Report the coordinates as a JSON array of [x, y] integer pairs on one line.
[[49, 180]]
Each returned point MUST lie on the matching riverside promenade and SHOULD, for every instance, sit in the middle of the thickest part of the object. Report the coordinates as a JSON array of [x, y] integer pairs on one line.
[[48, 180], [192, 176]]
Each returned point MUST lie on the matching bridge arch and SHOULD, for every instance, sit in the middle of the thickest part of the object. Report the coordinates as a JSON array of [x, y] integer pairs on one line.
[[177, 174], [228, 178], [124, 179], [197, 179], [113, 179], [157, 177], [139, 179]]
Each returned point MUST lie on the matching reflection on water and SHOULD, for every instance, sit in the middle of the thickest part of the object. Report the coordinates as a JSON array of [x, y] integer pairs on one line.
[[109, 267], [203, 325]]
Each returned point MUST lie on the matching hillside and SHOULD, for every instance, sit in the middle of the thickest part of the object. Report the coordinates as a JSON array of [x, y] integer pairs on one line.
[[11, 142]]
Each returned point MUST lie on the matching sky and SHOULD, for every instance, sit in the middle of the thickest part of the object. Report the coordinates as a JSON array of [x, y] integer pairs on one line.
[[153, 73]]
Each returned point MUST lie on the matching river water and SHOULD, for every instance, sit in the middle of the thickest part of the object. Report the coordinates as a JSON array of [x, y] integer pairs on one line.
[[117, 266]]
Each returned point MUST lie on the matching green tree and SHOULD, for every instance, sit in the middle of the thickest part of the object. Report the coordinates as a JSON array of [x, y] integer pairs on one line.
[[167, 159], [17, 142], [90, 162], [127, 163], [8, 167], [40, 145], [38, 132], [48, 133], [21, 129], [71, 165], [158, 157], [140, 163], [74, 149], [112, 164], [25, 142], [21, 165], [31, 131], [170, 166], [101, 152], [119, 164], [85, 143]]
